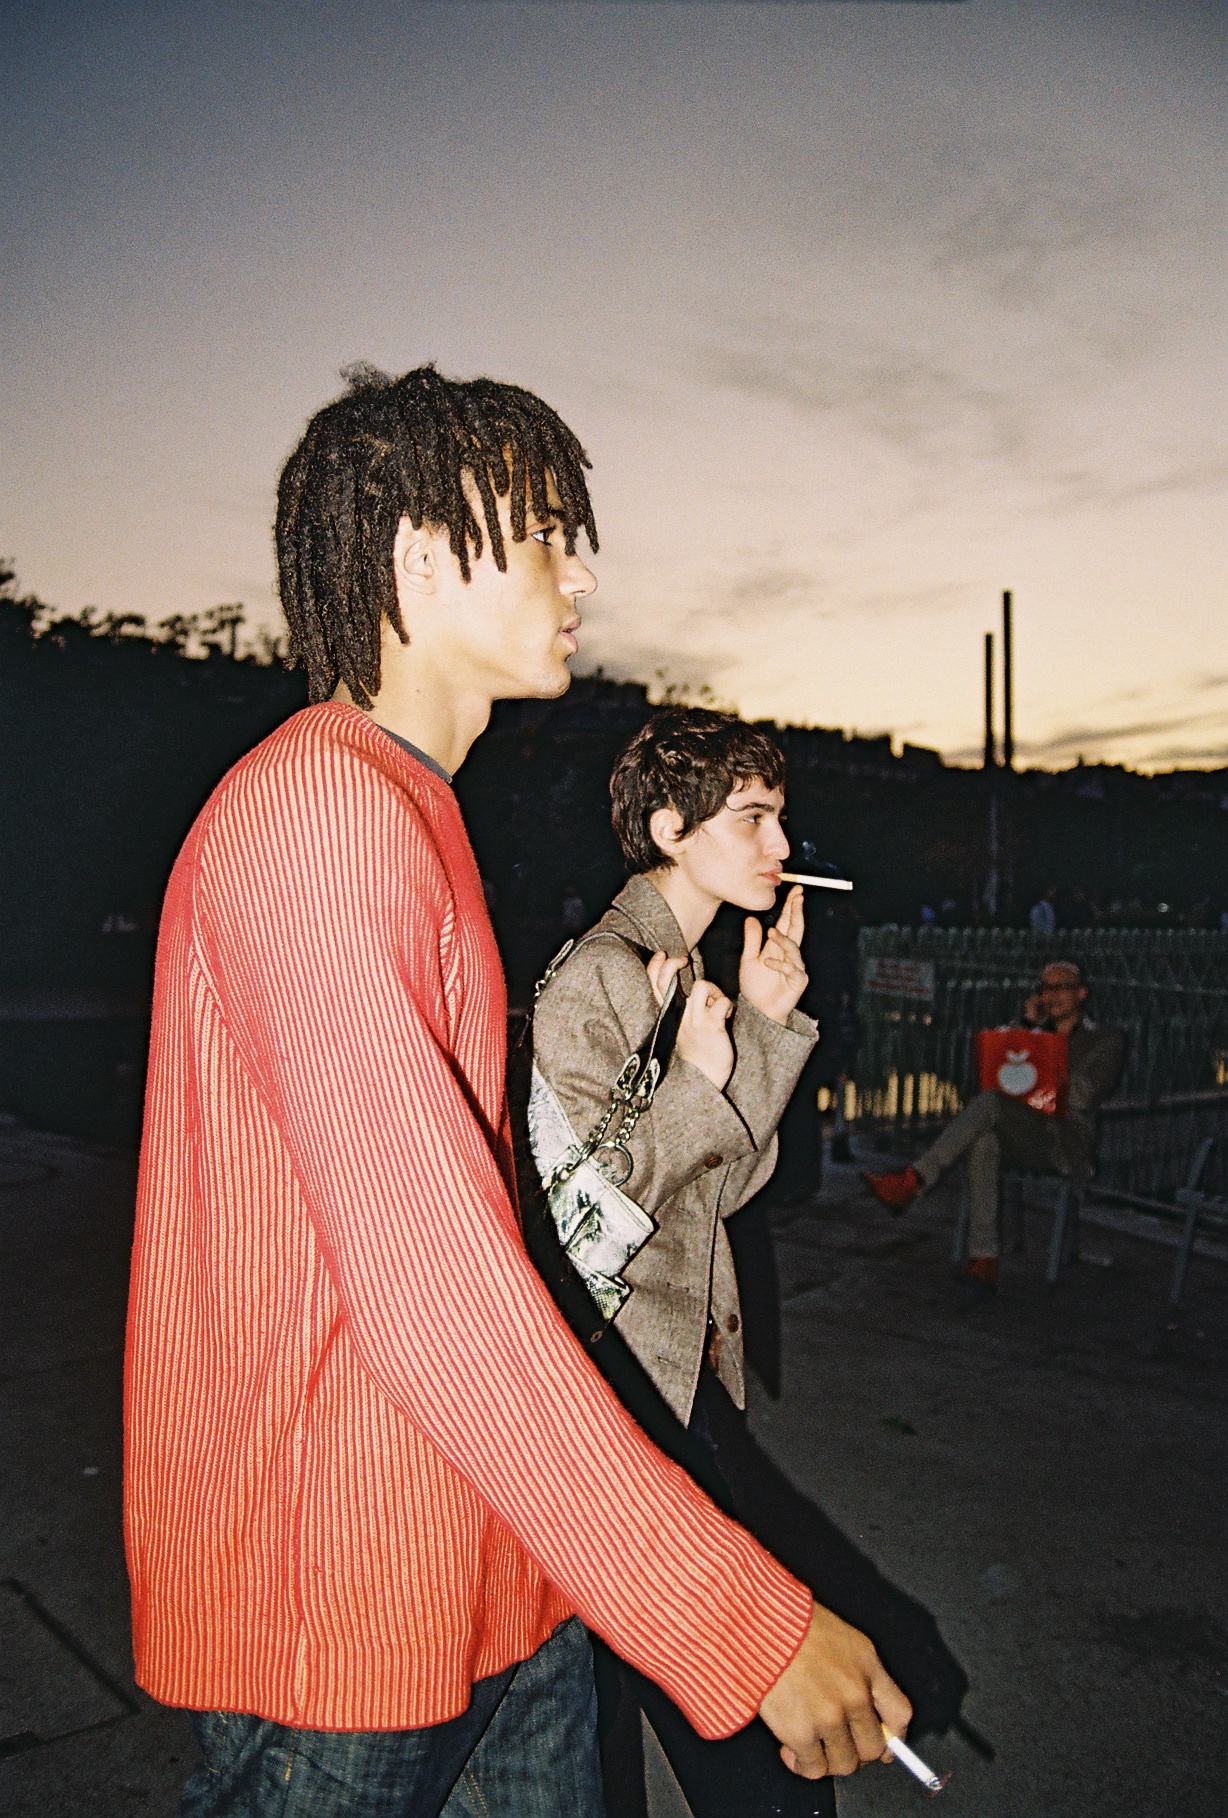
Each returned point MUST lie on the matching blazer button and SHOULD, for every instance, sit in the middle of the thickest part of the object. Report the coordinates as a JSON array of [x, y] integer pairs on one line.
[[713, 1160], [732, 1323]]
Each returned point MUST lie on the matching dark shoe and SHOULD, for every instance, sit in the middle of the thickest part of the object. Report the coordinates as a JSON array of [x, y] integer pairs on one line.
[[982, 1269], [896, 1191]]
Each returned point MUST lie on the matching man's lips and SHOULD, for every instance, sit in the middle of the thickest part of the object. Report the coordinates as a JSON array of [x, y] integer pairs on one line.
[[568, 634]]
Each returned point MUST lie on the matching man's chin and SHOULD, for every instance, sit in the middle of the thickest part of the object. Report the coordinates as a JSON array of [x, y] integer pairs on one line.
[[547, 687], [558, 683]]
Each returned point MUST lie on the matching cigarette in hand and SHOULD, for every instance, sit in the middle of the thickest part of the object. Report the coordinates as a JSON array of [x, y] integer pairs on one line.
[[820, 883], [904, 1755]]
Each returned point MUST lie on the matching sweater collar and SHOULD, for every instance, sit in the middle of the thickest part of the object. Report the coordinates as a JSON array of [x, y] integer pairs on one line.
[[416, 751]]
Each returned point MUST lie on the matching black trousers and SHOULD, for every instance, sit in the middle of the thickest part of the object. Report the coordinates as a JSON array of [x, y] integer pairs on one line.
[[744, 1777], [799, 1136], [741, 1777]]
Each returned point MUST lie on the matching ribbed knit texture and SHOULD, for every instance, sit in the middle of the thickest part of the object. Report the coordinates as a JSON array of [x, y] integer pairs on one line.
[[367, 1463]]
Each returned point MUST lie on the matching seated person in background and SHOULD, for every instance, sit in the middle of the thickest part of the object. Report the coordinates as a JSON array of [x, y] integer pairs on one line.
[[997, 1132], [697, 800]]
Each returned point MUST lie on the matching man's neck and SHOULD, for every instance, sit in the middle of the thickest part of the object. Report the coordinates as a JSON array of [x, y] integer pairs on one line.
[[443, 721], [693, 908]]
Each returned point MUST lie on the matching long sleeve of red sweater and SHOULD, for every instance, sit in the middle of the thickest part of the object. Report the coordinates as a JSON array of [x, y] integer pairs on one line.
[[328, 981]]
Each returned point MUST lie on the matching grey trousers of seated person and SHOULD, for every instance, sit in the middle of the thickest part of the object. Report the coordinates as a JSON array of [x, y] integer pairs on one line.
[[995, 1132]]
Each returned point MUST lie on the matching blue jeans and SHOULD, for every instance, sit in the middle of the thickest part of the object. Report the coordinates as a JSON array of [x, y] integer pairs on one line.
[[525, 1748]]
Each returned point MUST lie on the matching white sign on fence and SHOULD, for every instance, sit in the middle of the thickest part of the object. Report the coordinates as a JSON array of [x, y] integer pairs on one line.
[[899, 977]]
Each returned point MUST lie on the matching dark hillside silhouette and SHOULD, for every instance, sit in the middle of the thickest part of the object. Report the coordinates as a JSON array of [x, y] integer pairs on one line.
[[111, 745], [112, 736]]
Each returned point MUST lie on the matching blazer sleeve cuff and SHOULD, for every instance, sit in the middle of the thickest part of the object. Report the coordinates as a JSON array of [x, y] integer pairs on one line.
[[697, 1123], [770, 1059], [773, 1038]]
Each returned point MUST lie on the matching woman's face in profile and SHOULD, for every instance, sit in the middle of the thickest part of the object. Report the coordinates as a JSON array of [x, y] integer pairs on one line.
[[737, 855]]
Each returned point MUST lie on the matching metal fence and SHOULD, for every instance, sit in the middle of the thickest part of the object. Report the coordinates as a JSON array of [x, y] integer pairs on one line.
[[925, 992]]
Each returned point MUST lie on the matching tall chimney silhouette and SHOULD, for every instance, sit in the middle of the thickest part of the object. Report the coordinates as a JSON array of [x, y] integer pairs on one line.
[[1008, 687], [991, 756]]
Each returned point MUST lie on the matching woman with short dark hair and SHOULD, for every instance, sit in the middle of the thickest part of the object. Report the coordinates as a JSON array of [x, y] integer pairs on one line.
[[697, 799]]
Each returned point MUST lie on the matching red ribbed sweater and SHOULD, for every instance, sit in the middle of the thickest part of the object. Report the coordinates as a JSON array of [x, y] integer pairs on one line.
[[367, 1463]]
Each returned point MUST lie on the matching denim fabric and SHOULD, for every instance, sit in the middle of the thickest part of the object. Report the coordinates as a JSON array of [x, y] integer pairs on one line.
[[525, 1748]]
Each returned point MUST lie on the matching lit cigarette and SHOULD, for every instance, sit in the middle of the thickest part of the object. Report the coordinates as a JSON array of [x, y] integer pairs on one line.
[[904, 1755], [821, 883]]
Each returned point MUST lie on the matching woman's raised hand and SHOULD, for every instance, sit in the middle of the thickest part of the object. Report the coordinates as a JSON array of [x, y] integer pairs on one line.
[[772, 974], [703, 1037]]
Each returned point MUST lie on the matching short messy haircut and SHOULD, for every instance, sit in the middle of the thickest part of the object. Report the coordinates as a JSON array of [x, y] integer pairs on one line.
[[420, 447], [691, 760]]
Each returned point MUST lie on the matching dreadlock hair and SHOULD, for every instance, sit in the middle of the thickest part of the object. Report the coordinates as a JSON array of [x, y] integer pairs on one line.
[[421, 447], [691, 760]]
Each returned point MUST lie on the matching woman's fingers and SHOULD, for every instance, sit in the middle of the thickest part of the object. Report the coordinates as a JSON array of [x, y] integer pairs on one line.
[[653, 970], [784, 945], [711, 999], [782, 953], [661, 972], [708, 1002], [791, 922], [702, 1036]]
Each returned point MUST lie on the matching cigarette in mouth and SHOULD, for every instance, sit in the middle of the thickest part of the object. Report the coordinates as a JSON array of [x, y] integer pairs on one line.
[[820, 883], [904, 1755]]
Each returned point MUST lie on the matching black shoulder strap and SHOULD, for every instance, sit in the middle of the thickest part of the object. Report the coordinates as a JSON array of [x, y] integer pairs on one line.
[[664, 1033]]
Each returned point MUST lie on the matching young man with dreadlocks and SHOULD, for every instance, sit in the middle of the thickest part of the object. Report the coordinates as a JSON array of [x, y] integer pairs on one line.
[[371, 1479]]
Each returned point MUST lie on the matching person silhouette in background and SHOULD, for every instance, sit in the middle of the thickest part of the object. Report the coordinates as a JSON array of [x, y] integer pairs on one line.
[[1042, 916], [571, 913]]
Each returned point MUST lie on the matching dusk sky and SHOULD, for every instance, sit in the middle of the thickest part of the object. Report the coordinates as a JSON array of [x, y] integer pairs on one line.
[[863, 311]]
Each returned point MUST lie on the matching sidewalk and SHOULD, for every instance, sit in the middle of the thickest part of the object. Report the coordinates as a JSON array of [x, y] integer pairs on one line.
[[84, 1743], [1043, 1469]]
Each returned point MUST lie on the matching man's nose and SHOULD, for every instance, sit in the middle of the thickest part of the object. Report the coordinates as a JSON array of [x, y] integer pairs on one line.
[[578, 580], [779, 842]]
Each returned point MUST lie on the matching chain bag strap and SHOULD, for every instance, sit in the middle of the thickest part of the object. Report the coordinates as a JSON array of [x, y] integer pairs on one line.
[[572, 1290], [599, 1225], [633, 1090]]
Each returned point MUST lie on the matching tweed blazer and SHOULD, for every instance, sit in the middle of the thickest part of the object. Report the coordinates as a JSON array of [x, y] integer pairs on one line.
[[698, 1155]]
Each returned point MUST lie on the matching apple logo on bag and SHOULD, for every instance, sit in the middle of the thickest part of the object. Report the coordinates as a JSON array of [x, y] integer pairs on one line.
[[1017, 1075]]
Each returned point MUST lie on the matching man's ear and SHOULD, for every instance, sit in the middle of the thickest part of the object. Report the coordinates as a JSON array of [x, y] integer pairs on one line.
[[665, 826], [415, 560]]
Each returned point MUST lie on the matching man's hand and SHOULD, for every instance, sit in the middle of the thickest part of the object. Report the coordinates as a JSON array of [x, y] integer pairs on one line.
[[703, 1038], [772, 975], [829, 1706]]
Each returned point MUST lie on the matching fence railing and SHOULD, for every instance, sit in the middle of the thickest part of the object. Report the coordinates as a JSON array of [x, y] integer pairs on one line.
[[925, 992]]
